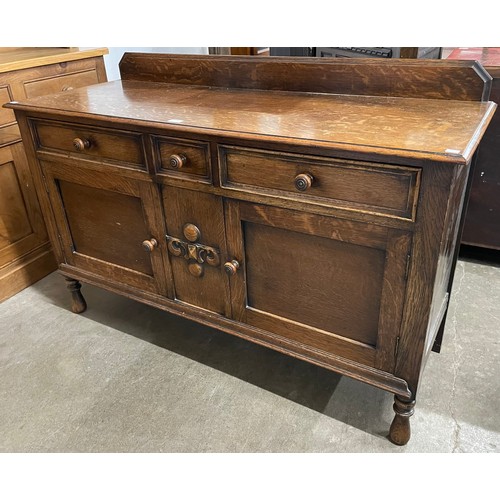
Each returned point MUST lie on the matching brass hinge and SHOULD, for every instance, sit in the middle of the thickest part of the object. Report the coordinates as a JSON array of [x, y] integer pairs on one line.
[[45, 185]]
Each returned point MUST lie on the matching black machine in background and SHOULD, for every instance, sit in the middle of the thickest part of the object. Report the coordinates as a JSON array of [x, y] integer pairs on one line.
[[371, 52]]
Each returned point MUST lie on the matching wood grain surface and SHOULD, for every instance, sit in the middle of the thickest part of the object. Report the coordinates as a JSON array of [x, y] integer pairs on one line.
[[16, 58], [445, 130], [351, 273], [459, 80]]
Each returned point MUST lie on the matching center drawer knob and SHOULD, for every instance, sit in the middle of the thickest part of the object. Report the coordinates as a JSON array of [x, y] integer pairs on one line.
[[149, 245], [81, 144], [303, 182], [231, 267], [177, 161], [191, 232]]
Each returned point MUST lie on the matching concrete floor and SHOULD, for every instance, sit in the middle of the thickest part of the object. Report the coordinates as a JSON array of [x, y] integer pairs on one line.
[[124, 377]]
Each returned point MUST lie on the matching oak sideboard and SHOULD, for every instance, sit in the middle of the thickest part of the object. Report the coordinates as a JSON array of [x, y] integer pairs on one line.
[[313, 207]]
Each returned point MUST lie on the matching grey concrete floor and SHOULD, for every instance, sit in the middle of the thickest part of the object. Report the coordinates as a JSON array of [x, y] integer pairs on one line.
[[125, 377]]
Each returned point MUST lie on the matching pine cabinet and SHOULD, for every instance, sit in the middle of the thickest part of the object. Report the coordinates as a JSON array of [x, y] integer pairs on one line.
[[25, 251]]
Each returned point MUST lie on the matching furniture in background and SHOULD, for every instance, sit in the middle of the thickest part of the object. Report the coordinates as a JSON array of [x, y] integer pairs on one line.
[[292, 219], [482, 223], [249, 51], [365, 52], [25, 252]]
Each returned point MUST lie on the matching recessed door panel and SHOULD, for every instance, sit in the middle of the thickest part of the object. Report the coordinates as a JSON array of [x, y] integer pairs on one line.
[[21, 226], [106, 225], [319, 282], [109, 225]]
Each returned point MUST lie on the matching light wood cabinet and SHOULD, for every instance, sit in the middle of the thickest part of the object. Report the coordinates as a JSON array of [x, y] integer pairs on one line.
[[25, 251], [322, 225]]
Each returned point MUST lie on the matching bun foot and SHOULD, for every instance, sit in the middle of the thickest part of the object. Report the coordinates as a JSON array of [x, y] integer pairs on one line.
[[78, 304], [400, 428]]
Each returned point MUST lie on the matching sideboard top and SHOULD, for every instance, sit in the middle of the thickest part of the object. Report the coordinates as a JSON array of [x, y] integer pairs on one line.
[[14, 58], [444, 130]]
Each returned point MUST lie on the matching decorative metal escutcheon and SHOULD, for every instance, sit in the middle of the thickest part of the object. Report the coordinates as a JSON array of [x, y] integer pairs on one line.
[[195, 253]]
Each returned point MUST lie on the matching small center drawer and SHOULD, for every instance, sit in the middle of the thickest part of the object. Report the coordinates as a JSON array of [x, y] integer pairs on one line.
[[182, 158], [92, 142], [376, 188]]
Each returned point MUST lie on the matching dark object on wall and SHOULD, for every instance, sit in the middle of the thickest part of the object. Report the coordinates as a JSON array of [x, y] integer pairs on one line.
[[293, 51]]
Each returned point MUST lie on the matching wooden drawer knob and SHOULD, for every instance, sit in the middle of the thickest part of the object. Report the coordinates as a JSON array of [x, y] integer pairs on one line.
[[231, 267], [177, 161], [149, 245], [191, 232], [81, 144], [303, 182]]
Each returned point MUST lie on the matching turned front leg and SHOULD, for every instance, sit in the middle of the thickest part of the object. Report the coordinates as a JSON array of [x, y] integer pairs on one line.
[[78, 304], [400, 428]]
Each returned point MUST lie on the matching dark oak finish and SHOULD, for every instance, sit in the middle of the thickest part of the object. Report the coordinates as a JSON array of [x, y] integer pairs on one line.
[[382, 127], [378, 188], [196, 220], [322, 226], [400, 432], [463, 80], [182, 159], [78, 304], [67, 138]]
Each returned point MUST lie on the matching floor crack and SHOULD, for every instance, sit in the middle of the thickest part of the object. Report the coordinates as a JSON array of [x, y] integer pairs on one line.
[[456, 363]]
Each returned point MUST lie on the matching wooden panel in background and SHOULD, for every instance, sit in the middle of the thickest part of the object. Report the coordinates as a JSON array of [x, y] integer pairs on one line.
[[25, 253], [14, 224], [6, 115]]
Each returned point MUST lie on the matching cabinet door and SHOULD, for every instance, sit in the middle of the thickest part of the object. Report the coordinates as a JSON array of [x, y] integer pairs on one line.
[[21, 225], [196, 248], [109, 225], [330, 284]]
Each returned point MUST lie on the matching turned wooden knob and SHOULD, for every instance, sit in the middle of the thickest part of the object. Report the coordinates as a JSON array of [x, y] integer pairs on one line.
[[66, 88], [177, 161], [191, 232], [149, 245], [231, 267], [303, 182], [81, 144]]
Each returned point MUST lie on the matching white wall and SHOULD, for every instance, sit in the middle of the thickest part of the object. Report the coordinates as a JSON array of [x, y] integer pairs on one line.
[[112, 59]]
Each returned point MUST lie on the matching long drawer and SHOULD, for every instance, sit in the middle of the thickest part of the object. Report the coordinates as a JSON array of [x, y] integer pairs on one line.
[[91, 142], [384, 189]]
